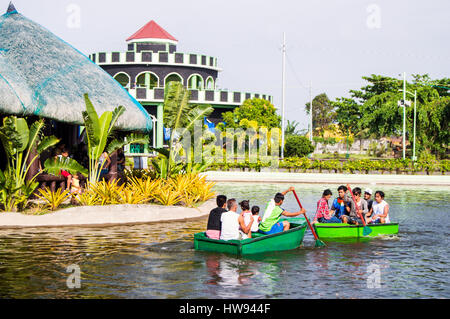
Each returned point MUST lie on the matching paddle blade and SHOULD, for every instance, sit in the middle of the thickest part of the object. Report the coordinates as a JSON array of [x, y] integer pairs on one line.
[[320, 243], [366, 231]]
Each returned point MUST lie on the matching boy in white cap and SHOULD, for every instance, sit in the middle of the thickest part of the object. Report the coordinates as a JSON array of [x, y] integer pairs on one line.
[[368, 197]]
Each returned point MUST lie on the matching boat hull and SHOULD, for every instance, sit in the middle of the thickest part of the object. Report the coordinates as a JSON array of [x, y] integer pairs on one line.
[[287, 240], [331, 231]]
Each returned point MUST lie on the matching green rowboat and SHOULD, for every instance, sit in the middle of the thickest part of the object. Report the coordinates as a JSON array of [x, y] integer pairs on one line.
[[331, 231], [259, 243]]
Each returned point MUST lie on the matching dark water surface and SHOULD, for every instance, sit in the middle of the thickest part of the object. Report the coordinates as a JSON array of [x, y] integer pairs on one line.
[[158, 260]]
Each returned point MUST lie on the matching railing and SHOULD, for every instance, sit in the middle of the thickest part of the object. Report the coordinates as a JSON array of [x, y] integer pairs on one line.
[[216, 97], [149, 57]]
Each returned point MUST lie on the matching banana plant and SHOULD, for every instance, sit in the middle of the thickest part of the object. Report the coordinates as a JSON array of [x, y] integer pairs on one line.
[[101, 129], [180, 117], [23, 145]]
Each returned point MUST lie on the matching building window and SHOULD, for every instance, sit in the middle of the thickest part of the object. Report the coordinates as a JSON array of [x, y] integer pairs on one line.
[[147, 80], [195, 82], [115, 57], [210, 83], [179, 58], [130, 56], [146, 57], [163, 57], [173, 78], [123, 79]]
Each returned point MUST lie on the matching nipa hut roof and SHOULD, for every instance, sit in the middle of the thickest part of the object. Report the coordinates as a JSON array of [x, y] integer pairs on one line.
[[40, 74]]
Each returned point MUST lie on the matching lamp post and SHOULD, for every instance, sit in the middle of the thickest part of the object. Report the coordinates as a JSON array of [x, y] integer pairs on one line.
[[404, 115], [283, 99], [414, 157], [310, 113]]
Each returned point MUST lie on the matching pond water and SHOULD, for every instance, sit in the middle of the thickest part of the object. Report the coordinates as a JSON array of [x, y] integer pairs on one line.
[[158, 260]]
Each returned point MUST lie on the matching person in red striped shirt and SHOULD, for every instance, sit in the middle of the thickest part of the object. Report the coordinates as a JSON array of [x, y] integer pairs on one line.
[[323, 213]]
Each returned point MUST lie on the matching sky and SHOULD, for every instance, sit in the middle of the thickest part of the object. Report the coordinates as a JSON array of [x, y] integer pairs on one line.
[[329, 43]]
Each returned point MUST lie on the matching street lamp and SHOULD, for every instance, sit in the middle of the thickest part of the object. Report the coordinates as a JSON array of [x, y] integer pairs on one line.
[[407, 103]]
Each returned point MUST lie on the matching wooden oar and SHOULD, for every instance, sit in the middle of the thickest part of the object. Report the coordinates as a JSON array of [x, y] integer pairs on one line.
[[366, 229], [319, 243]]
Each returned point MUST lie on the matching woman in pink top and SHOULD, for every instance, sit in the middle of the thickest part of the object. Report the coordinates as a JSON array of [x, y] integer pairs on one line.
[[323, 214], [248, 219]]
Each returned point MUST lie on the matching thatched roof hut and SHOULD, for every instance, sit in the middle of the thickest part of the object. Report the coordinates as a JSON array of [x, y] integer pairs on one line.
[[42, 75]]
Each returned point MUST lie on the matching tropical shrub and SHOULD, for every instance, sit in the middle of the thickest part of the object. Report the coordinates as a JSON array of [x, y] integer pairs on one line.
[[166, 195], [98, 131], [200, 187], [298, 146], [88, 198], [108, 192], [332, 165], [53, 199], [129, 196], [352, 166], [185, 189], [23, 145], [144, 186], [444, 166]]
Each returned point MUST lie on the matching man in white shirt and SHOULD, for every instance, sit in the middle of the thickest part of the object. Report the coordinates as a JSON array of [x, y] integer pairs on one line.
[[231, 221]]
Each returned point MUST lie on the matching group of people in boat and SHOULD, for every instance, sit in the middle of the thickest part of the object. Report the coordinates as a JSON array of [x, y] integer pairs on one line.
[[225, 223], [351, 208]]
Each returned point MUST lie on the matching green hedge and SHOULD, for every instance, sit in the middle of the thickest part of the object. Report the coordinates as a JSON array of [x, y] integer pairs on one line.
[[352, 166]]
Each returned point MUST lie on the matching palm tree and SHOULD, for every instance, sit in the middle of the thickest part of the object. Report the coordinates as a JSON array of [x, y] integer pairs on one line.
[[180, 117], [291, 128], [98, 131]]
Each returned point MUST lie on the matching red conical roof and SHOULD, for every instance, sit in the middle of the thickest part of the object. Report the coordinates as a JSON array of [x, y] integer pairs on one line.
[[152, 31]]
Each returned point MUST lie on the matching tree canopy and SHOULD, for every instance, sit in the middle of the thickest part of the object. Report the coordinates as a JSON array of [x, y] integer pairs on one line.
[[374, 110], [323, 112], [258, 110]]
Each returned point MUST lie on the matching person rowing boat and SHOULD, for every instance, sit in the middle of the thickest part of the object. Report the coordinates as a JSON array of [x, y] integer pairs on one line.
[[360, 208], [271, 223]]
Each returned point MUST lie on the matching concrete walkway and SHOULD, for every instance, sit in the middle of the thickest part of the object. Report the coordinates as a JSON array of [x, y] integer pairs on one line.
[[310, 178], [101, 216]]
